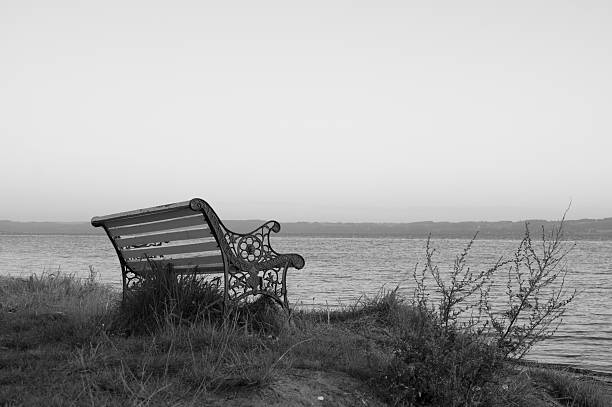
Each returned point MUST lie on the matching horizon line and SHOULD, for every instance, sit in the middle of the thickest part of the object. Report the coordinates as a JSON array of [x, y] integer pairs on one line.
[[346, 222]]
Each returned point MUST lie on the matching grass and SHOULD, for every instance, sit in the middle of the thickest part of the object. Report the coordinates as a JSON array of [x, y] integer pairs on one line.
[[65, 341], [572, 389]]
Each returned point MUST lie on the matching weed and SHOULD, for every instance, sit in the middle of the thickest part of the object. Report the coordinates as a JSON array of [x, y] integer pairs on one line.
[[573, 390], [536, 294], [161, 298], [444, 354]]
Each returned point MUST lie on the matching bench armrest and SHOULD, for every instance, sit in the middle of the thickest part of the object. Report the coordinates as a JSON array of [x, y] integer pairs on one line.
[[248, 251], [255, 248]]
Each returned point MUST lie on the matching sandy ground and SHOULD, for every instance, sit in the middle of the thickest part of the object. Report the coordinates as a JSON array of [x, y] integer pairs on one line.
[[301, 387]]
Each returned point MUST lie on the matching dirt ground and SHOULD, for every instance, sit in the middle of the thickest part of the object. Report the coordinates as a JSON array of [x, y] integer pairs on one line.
[[301, 387], [305, 387]]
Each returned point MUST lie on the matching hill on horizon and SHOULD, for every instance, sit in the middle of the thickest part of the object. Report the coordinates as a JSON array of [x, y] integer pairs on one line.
[[583, 229]]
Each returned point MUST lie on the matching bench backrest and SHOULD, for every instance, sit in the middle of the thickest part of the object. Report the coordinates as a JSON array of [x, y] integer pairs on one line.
[[168, 234]]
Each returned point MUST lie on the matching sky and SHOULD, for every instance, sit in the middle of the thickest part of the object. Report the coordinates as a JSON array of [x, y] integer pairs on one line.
[[343, 111]]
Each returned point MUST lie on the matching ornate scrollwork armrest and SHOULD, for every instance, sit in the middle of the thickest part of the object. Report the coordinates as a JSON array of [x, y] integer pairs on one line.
[[254, 247], [249, 250], [252, 267], [266, 228], [290, 260]]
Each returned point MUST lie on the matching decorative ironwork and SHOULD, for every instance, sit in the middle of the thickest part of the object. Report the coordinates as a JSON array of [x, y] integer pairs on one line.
[[269, 282], [131, 279], [250, 248], [253, 247], [253, 266]]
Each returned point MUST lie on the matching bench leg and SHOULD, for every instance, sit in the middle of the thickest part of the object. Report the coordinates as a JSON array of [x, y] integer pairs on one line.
[[124, 283], [284, 287], [240, 284]]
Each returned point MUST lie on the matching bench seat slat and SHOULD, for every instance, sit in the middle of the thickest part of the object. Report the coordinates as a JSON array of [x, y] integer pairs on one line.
[[154, 217], [165, 250], [206, 269], [190, 261], [101, 220], [157, 226], [163, 237]]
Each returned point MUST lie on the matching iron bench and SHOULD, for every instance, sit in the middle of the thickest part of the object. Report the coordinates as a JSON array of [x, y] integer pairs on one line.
[[188, 237]]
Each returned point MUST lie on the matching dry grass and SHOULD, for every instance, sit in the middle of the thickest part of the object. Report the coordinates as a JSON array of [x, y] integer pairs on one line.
[[573, 390], [50, 293], [61, 344]]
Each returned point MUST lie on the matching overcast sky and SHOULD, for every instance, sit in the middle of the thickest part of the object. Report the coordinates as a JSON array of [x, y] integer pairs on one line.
[[330, 110]]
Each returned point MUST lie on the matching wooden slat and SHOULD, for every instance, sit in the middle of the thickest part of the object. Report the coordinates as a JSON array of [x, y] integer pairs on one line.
[[100, 220], [158, 226], [189, 261], [163, 237], [166, 250], [201, 270], [153, 217]]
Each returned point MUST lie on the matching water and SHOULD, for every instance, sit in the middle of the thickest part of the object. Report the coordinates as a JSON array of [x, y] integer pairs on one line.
[[340, 270]]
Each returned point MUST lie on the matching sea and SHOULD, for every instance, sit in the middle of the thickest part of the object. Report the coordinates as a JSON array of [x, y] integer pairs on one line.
[[340, 271]]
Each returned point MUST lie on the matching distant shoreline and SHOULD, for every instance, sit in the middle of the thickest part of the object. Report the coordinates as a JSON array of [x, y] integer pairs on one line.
[[584, 229]]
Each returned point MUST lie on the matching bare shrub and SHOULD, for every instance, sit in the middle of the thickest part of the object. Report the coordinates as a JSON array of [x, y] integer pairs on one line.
[[457, 290], [536, 297], [535, 291]]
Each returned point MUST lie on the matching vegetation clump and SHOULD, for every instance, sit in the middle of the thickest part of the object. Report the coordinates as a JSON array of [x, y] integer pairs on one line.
[[458, 345], [160, 298]]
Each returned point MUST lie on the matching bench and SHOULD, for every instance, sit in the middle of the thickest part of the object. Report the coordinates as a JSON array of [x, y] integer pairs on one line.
[[189, 238]]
